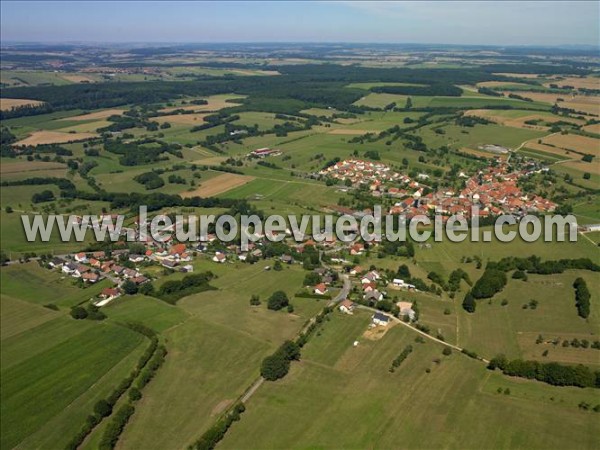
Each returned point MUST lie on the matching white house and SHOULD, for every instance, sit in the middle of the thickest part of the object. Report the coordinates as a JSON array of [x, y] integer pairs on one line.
[[81, 257], [380, 319], [219, 257], [346, 306], [321, 289], [136, 258], [69, 268]]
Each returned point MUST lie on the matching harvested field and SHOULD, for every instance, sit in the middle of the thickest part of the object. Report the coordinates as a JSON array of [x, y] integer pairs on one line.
[[519, 122], [215, 103], [351, 132], [218, 185], [77, 78], [54, 137], [7, 104], [576, 82], [518, 75], [586, 104], [574, 142], [182, 119], [97, 115], [595, 128], [492, 84]]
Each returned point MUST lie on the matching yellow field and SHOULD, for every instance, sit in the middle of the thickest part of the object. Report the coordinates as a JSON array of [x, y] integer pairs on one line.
[[587, 104], [218, 185], [574, 142], [183, 119], [97, 115], [595, 128], [7, 104], [215, 103], [518, 122], [90, 127], [576, 82], [77, 78], [518, 75], [54, 137], [492, 84]]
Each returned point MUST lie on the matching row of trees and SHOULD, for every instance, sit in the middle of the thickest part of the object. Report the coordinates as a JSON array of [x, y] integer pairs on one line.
[[534, 264], [401, 357], [552, 373], [172, 290], [277, 365]]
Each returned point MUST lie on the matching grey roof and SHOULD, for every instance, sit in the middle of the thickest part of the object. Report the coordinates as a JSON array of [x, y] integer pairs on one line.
[[380, 316]]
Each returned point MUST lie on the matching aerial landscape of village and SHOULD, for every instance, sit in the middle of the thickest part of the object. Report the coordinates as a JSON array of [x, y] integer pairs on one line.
[[461, 123]]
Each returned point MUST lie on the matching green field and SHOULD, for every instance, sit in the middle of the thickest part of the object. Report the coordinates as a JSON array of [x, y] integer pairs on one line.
[[27, 281], [56, 371], [215, 354], [378, 409]]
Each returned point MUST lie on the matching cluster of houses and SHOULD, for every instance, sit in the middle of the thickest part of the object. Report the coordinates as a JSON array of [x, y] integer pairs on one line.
[[94, 266], [373, 174], [493, 191]]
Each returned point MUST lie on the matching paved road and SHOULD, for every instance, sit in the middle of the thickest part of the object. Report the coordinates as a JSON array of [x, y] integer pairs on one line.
[[343, 292]]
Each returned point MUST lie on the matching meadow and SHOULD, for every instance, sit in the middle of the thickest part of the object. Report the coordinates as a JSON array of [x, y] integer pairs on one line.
[[353, 391], [58, 363], [214, 355]]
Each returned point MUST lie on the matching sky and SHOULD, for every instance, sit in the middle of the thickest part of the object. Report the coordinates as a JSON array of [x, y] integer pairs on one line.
[[447, 22]]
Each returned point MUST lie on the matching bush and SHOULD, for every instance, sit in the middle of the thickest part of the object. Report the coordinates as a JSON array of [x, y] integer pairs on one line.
[[102, 408], [129, 287], [274, 367], [78, 313], [278, 300], [491, 282], [447, 351], [468, 303], [115, 427]]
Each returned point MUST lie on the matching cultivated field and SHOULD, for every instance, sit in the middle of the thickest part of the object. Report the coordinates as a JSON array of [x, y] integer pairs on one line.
[[54, 137], [219, 185], [183, 119], [10, 103]]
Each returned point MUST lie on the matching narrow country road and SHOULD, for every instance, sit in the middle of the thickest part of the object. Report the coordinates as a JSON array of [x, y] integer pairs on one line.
[[416, 330]]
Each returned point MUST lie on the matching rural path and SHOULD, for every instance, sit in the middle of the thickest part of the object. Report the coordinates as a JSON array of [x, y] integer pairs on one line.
[[416, 330]]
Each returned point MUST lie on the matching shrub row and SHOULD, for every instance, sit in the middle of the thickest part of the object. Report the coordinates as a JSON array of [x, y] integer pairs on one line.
[[401, 357], [103, 408], [214, 434]]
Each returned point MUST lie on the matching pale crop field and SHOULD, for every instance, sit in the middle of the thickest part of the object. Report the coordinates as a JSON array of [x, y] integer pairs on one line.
[[54, 137], [7, 104]]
